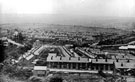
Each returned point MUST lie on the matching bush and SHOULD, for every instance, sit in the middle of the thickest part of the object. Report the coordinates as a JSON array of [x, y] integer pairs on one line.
[[56, 79], [14, 72], [35, 79], [1, 80]]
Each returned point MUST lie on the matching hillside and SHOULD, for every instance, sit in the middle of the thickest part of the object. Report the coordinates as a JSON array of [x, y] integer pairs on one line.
[[84, 20], [58, 27]]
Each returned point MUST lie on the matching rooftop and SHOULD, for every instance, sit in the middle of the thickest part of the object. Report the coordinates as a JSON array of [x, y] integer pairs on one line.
[[125, 65], [67, 59]]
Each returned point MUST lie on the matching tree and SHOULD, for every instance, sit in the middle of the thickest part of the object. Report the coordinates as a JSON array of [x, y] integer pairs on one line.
[[56, 79]]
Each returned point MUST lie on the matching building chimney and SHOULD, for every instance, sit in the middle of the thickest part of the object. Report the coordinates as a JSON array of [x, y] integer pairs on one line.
[[106, 60], [60, 58], [128, 60], [78, 58], [117, 60], [69, 58], [52, 58], [122, 64], [96, 59]]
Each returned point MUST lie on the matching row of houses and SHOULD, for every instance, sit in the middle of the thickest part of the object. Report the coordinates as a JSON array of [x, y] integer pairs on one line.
[[86, 65], [67, 63]]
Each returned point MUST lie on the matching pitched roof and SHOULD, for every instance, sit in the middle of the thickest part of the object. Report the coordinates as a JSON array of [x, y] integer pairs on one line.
[[103, 61], [125, 65], [40, 67], [67, 59]]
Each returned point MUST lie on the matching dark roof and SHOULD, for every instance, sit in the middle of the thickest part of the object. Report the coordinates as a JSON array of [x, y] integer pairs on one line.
[[67, 59], [103, 61], [125, 65]]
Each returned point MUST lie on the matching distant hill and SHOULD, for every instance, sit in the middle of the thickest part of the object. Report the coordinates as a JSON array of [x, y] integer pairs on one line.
[[67, 28], [127, 23]]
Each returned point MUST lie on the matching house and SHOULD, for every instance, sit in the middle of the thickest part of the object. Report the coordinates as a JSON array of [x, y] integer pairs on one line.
[[106, 65], [124, 68]]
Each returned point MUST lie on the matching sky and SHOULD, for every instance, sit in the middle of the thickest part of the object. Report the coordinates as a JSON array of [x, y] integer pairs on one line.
[[120, 8]]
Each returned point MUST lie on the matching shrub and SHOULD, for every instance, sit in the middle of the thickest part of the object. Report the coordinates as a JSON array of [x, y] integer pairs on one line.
[[56, 79], [14, 72], [35, 79]]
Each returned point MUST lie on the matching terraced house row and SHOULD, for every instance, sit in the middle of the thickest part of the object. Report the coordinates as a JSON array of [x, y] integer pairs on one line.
[[50, 58], [83, 65]]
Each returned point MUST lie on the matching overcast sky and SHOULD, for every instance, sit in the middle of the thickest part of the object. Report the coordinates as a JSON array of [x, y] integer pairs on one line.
[[120, 8]]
